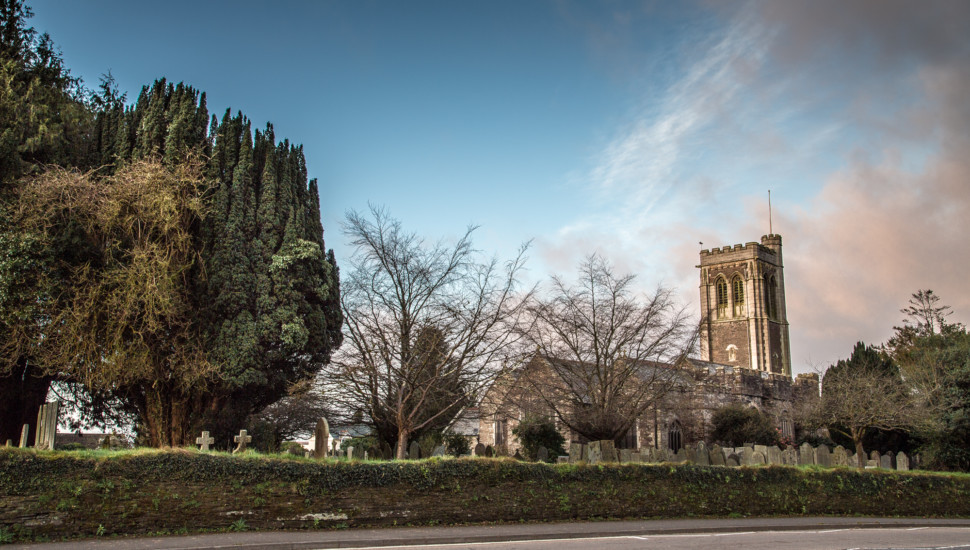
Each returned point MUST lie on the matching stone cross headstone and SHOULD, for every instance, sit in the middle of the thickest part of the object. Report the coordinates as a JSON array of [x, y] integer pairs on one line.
[[414, 451], [46, 425], [839, 456], [24, 436], [542, 455], [902, 462], [205, 441], [241, 440], [321, 435], [773, 455], [806, 455], [575, 452]]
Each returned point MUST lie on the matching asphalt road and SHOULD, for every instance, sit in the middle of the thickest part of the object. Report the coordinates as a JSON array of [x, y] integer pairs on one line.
[[750, 534]]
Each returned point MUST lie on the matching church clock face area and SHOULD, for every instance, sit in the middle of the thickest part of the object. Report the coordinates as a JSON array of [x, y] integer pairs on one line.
[[743, 306]]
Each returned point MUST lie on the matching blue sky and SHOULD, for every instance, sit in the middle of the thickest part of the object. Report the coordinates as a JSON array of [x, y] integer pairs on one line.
[[632, 129]]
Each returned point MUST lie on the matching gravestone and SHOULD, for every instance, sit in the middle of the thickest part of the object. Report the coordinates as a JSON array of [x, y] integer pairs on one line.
[[241, 441], [757, 459], [691, 454], [595, 452], [440, 450], [702, 457], [112, 442], [853, 460], [902, 462], [542, 455], [886, 461], [789, 457], [874, 455], [321, 435], [609, 451], [517, 455], [636, 457], [626, 455], [350, 453], [489, 451], [479, 450], [872, 464], [386, 452], [717, 457], [24, 436], [204, 440], [822, 455], [773, 455], [414, 451], [562, 460], [806, 455], [46, 426], [763, 449], [745, 454], [839, 456], [732, 460], [575, 452]]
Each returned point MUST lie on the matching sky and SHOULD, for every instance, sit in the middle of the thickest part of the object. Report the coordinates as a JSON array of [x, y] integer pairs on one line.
[[633, 130]]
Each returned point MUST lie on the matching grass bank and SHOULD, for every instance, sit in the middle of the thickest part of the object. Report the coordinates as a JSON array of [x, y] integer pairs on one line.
[[50, 494]]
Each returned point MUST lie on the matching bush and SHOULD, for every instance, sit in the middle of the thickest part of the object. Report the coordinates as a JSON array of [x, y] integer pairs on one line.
[[735, 425], [457, 445], [535, 432]]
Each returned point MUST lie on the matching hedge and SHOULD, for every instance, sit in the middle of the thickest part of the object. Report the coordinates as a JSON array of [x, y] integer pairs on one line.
[[51, 494]]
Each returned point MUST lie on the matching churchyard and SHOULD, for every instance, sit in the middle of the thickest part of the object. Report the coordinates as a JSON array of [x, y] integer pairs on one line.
[[47, 494]]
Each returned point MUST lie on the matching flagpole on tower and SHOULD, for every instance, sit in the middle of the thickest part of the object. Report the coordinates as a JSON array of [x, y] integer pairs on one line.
[[770, 231]]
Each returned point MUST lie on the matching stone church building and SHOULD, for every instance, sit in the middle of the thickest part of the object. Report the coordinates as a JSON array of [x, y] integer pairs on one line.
[[744, 358]]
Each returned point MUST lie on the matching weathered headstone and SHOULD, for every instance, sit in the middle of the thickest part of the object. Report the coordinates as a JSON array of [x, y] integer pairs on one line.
[[636, 457], [609, 451], [575, 452], [886, 461], [562, 459], [702, 457], [113, 442], [489, 451], [46, 425], [763, 449], [773, 455], [822, 455], [757, 459], [517, 455], [902, 462], [386, 452], [24, 436], [350, 453], [746, 455], [204, 440], [542, 455], [732, 460], [595, 450], [717, 457], [241, 441], [872, 464], [839, 456], [691, 454], [853, 460], [479, 449], [440, 450], [625, 455], [806, 455], [414, 451], [874, 455], [321, 434], [789, 457]]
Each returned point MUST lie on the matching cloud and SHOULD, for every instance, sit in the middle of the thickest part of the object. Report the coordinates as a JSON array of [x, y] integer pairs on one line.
[[855, 113]]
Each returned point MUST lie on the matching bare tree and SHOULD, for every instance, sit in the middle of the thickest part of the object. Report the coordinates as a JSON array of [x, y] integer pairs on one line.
[[420, 318], [612, 352], [866, 393]]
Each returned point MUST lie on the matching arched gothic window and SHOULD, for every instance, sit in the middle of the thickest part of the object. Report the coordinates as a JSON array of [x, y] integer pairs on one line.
[[722, 297], [737, 288], [675, 437], [771, 298]]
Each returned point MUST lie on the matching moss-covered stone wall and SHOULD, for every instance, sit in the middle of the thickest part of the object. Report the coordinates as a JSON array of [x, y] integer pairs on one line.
[[58, 494]]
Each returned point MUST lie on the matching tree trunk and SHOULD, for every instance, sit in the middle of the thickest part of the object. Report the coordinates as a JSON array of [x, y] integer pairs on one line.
[[21, 395], [402, 444], [167, 418]]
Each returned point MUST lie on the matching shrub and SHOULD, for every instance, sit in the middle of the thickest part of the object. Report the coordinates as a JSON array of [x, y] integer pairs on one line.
[[535, 432], [735, 425], [457, 445]]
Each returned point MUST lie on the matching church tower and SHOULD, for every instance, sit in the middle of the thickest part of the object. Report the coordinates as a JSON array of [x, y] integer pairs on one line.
[[743, 319]]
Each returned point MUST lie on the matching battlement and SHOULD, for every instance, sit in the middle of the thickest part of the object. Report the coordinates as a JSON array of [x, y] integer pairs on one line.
[[729, 249]]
